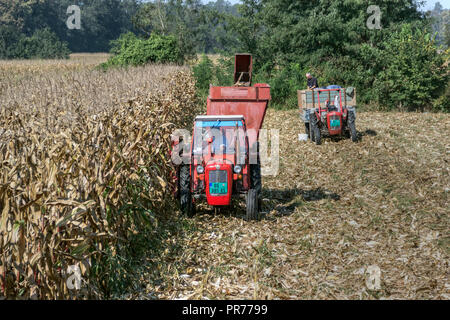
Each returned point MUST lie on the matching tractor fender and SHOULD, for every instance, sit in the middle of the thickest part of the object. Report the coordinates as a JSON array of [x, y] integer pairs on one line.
[[352, 110]]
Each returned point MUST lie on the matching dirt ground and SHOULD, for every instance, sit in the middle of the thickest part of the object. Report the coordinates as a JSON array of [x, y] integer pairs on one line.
[[336, 216]]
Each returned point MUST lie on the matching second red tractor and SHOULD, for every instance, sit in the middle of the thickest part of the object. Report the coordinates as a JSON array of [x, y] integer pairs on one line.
[[328, 112]]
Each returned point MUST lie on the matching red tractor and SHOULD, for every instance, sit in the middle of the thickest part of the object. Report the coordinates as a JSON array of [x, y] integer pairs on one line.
[[223, 156], [328, 119]]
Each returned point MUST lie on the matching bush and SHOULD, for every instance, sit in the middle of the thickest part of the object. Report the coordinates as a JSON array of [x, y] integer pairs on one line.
[[415, 73], [43, 44], [224, 72], [122, 43], [206, 74], [284, 83], [442, 104], [9, 37], [130, 50], [203, 74]]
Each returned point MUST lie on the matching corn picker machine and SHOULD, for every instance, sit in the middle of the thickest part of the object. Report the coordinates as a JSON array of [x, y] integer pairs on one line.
[[223, 159], [335, 116]]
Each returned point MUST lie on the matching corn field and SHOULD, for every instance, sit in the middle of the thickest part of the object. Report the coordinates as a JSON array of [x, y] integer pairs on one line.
[[84, 163]]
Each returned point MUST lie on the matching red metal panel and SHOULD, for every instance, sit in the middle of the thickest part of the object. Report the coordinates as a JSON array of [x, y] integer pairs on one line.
[[253, 113], [232, 93], [264, 93]]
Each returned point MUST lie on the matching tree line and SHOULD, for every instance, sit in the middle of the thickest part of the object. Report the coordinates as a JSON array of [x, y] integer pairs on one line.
[[401, 63]]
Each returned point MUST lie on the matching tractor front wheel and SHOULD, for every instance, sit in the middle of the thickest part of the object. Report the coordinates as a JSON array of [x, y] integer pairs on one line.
[[312, 124], [186, 204], [252, 205]]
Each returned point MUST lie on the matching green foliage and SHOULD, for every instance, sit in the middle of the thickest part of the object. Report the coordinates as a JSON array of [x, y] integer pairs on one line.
[[203, 74], [9, 37], [224, 72], [330, 39], [43, 44], [442, 104], [440, 18], [284, 83], [414, 73], [206, 73], [133, 51], [182, 19], [248, 25], [101, 21], [286, 38], [121, 44]]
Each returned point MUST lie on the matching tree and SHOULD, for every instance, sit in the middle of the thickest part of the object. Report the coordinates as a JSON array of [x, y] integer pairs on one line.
[[248, 25], [415, 73], [101, 22]]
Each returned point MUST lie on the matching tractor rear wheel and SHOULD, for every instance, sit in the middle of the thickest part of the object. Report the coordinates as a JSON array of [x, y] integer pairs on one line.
[[186, 204], [315, 137], [352, 126], [252, 205]]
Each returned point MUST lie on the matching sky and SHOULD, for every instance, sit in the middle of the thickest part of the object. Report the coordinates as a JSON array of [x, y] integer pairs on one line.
[[429, 4]]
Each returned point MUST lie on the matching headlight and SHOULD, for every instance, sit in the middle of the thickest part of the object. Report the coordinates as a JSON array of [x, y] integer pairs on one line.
[[200, 169], [237, 169]]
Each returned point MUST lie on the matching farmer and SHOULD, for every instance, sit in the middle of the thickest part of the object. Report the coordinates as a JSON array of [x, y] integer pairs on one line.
[[311, 81]]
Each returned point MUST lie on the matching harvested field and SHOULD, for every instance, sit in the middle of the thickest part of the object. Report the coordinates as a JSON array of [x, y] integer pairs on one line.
[[85, 180], [334, 212]]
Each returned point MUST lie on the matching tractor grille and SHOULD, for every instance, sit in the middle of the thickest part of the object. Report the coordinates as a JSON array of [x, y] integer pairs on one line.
[[335, 122], [218, 182]]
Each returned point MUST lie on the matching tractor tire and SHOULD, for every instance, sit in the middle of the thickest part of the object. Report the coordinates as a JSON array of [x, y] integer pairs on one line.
[[255, 177], [252, 205], [307, 128], [312, 125], [255, 173], [316, 136], [186, 204], [352, 126]]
